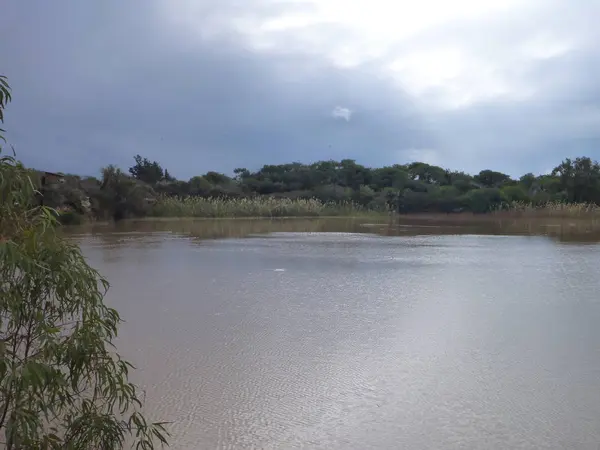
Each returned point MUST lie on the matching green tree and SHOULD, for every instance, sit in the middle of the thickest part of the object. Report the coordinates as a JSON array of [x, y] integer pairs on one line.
[[241, 173], [199, 186], [364, 195], [167, 177], [427, 173], [580, 179], [447, 199], [515, 193], [217, 178], [483, 200], [62, 385], [352, 175], [527, 180], [491, 178], [388, 177], [122, 196], [147, 171], [5, 97]]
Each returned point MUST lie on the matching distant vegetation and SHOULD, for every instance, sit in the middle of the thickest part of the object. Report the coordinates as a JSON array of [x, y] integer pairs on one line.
[[323, 188]]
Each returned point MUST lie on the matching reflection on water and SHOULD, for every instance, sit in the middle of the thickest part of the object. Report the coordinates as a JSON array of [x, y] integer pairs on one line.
[[578, 230], [338, 334]]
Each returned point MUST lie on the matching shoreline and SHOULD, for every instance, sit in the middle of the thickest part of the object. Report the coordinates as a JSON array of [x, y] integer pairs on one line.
[[464, 217]]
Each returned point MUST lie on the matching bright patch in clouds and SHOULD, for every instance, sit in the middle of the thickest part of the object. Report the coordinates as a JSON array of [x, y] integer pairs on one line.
[[446, 54], [546, 46], [341, 113]]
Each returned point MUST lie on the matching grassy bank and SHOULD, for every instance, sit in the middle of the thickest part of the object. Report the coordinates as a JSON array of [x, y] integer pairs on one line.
[[218, 207], [551, 209], [255, 207], [522, 212]]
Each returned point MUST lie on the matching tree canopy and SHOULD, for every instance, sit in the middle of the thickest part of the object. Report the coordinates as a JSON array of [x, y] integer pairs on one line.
[[412, 187], [148, 171]]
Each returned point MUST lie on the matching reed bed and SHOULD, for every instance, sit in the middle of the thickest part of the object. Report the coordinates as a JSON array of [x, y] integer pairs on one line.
[[551, 209], [253, 207]]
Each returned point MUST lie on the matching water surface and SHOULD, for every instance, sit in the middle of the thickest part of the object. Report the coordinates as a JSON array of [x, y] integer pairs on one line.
[[339, 334]]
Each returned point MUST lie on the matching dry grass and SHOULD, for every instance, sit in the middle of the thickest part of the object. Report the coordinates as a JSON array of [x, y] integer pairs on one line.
[[253, 207]]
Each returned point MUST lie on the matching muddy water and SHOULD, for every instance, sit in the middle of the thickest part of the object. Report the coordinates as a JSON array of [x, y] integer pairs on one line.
[[333, 334]]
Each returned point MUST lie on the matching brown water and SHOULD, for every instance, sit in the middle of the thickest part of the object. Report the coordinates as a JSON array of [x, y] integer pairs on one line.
[[335, 334]]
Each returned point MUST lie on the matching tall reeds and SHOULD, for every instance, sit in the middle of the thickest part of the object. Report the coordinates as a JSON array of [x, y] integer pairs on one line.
[[253, 207], [551, 209]]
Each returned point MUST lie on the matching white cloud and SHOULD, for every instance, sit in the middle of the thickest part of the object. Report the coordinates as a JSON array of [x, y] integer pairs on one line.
[[425, 46], [341, 113], [545, 46]]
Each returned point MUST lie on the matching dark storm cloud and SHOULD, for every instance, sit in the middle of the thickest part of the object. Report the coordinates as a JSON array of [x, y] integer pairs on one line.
[[98, 82], [97, 85]]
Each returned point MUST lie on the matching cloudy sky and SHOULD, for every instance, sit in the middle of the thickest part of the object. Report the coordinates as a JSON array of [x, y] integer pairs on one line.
[[202, 85]]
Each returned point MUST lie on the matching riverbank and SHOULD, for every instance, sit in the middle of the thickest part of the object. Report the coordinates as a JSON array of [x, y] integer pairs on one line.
[[283, 207], [265, 207]]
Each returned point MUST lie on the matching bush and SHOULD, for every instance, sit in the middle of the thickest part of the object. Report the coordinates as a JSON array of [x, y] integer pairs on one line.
[[121, 196], [515, 194], [69, 217], [482, 200]]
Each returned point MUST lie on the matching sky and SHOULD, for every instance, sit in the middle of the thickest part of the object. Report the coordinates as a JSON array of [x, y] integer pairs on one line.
[[200, 85]]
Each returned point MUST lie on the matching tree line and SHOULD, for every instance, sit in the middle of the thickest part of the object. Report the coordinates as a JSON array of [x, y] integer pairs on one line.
[[416, 187], [413, 187]]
